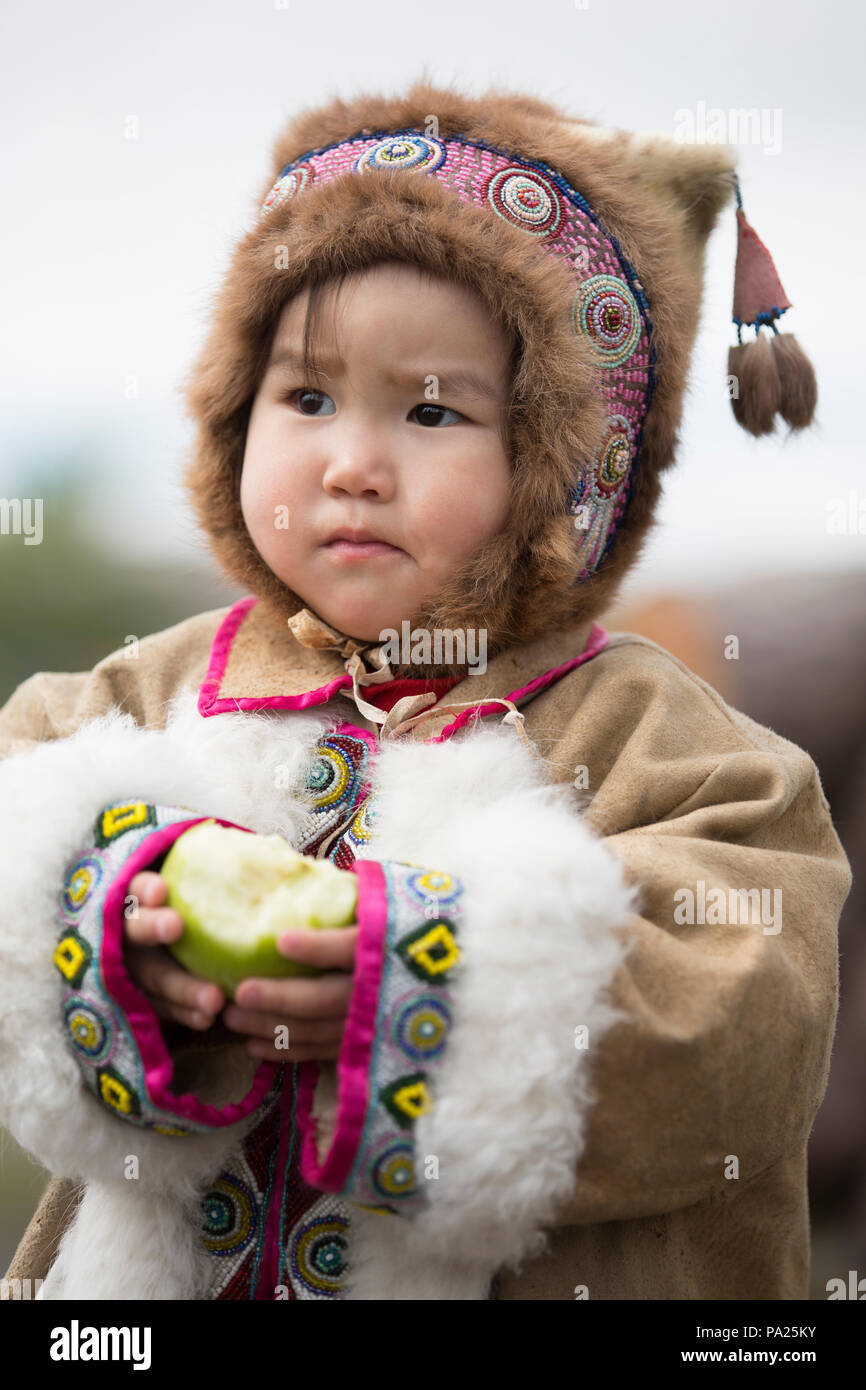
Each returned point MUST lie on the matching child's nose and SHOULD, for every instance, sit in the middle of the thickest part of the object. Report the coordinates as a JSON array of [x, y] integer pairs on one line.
[[359, 469]]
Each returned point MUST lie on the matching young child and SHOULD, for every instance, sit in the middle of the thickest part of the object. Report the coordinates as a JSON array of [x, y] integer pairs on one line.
[[574, 1042]]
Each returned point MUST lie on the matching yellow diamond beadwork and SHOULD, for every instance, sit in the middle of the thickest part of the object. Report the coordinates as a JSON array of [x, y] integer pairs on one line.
[[116, 819], [69, 957], [437, 936], [413, 1099], [115, 1094]]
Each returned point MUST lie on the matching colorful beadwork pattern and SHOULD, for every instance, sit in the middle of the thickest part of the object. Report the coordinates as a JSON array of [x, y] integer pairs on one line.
[[610, 309], [270, 1235], [72, 955], [80, 883], [606, 312], [418, 1025], [91, 1034], [117, 820], [339, 780], [418, 956], [361, 829], [317, 1250]]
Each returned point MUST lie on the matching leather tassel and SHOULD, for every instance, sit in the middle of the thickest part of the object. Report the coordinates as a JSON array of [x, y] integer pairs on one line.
[[773, 376]]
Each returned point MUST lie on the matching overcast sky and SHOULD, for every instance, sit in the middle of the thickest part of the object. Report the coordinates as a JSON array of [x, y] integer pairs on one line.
[[112, 247]]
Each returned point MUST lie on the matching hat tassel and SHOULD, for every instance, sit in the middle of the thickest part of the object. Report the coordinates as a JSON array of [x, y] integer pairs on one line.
[[771, 375]]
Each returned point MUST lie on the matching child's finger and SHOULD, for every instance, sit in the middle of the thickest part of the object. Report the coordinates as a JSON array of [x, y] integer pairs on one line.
[[148, 887], [324, 998], [328, 949], [190, 1018], [159, 974], [153, 926]]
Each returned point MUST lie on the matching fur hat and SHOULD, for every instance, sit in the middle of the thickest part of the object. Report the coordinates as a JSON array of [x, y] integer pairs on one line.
[[586, 243]]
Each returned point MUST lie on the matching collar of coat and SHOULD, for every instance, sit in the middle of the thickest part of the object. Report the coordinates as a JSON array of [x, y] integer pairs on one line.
[[255, 664]]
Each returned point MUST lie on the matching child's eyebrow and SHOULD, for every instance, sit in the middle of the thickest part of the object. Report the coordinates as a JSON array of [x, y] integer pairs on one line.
[[463, 381], [457, 380]]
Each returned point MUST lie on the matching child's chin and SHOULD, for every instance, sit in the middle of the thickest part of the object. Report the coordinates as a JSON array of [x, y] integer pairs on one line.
[[350, 624], [361, 622]]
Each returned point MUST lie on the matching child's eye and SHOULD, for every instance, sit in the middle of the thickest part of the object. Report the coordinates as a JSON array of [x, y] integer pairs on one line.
[[434, 421], [304, 393]]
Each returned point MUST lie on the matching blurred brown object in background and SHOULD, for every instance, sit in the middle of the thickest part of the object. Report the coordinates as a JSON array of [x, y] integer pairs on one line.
[[800, 669]]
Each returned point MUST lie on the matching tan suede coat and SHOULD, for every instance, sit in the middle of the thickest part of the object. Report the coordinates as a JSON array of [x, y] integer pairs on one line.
[[693, 1180]]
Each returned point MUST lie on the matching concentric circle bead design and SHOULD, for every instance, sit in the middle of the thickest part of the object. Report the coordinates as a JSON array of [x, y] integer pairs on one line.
[[229, 1215], [318, 1256], [290, 183], [89, 1033], [83, 878], [331, 776], [418, 152], [429, 884], [419, 1027], [614, 460], [605, 312], [393, 1173], [526, 200]]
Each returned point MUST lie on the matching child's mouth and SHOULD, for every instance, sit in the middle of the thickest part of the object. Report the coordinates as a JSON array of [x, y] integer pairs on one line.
[[361, 550]]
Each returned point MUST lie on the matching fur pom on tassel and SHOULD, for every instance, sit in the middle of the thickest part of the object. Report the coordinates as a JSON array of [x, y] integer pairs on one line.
[[758, 393], [799, 386]]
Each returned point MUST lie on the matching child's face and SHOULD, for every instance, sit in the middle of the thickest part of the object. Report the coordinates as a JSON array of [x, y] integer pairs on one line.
[[371, 446]]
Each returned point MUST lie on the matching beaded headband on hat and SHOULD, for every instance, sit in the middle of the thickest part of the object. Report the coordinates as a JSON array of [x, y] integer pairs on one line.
[[609, 307]]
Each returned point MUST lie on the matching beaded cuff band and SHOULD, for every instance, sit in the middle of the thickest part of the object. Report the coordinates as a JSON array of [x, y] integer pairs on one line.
[[395, 1037]]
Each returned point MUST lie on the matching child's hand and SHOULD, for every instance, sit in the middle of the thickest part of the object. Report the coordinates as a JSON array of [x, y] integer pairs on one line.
[[312, 1009], [173, 991]]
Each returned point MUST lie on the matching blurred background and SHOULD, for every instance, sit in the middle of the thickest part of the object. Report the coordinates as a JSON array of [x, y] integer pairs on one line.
[[136, 143]]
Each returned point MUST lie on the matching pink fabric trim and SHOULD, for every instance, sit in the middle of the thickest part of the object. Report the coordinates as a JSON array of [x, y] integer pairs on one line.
[[211, 702], [219, 654], [596, 641], [140, 1014], [353, 1065], [226, 705]]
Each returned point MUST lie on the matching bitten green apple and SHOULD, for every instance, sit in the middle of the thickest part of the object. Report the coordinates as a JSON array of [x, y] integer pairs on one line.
[[238, 892]]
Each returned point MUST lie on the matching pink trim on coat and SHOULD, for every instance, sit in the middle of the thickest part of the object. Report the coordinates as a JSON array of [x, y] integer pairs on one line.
[[597, 640], [210, 702]]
